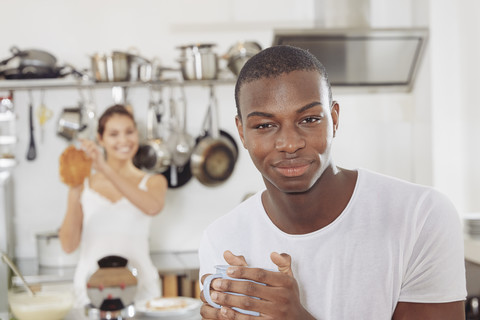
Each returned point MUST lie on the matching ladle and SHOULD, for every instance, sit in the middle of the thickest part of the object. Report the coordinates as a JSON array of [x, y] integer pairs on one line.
[[17, 272], [181, 142], [32, 151]]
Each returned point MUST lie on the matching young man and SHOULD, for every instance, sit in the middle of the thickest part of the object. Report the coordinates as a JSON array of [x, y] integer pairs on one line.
[[349, 244]]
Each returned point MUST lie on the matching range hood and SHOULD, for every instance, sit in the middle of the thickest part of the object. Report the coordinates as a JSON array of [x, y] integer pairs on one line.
[[363, 59]]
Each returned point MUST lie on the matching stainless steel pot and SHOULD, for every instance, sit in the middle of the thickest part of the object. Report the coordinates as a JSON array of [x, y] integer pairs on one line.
[[50, 252], [239, 53], [198, 62], [112, 67], [140, 69]]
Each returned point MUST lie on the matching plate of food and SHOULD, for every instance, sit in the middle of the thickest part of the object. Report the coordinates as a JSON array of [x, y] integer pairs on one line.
[[167, 306]]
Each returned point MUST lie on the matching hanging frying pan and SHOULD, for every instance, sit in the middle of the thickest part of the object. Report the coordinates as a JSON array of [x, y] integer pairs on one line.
[[214, 157]]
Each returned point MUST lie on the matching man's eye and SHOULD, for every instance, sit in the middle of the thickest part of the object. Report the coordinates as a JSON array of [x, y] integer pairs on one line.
[[311, 120], [263, 126]]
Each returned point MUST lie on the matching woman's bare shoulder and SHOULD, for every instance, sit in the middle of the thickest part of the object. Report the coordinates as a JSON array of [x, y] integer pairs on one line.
[[157, 180]]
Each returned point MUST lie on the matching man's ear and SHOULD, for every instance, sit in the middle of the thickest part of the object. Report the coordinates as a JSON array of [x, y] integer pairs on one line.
[[239, 124], [335, 113]]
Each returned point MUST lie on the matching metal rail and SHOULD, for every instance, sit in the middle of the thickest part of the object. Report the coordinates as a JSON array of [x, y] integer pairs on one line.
[[45, 84]]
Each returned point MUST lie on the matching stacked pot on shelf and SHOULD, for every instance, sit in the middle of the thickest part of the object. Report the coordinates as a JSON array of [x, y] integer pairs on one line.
[[201, 62], [119, 66]]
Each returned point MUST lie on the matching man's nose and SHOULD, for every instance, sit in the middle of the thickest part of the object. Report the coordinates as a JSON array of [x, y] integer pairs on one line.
[[289, 141]]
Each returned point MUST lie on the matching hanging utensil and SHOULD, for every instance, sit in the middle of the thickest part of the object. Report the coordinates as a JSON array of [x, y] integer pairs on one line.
[[71, 122], [180, 141], [91, 115], [87, 108], [15, 270], [32, 152], [43, 115], [154, 155], [118, 95]]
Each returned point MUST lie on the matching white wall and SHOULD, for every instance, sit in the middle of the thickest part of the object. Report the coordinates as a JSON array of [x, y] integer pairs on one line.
[[470, 73], [390, 133], [74, 30], [455, 99]]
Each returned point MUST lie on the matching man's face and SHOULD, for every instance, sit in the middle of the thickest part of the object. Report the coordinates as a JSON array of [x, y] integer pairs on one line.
[[287, 126]]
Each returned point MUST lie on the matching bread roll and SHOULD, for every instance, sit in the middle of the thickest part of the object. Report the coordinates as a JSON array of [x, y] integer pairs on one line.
[[75, 166]]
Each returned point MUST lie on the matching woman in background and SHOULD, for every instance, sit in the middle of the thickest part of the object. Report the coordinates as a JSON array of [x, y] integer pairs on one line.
[[110, 213]]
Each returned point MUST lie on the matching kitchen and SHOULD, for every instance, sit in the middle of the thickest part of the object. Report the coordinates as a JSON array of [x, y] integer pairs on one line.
[[402, 134]]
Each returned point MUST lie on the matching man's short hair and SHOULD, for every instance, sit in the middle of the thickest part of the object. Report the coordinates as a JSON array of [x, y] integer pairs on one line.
[[275, 61]]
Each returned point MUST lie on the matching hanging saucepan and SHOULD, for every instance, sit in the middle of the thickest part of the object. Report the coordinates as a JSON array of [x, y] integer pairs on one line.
[[214, 157], [154, 155]]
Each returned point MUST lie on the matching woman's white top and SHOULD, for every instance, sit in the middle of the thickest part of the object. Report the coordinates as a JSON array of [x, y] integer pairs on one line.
[[115, 228]]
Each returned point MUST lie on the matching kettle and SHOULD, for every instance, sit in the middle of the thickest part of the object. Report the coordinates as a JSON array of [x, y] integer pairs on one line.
[[113, 286]]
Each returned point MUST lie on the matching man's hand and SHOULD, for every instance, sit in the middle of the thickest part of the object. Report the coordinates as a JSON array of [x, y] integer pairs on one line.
[[234, 260], [279, 299], [207, 311]]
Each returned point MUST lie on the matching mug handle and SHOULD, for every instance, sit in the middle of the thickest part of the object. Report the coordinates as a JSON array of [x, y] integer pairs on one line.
[[206, 290]]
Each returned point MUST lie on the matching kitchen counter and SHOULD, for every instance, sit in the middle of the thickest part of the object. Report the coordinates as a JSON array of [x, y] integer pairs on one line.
[[132, 312], [166, 262], [178, 263], [79, 314]]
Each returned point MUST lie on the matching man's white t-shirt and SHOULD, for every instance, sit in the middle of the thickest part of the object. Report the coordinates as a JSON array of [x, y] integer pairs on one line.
[[395, 241]]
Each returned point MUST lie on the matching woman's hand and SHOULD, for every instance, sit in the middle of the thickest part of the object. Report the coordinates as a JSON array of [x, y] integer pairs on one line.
[[94, 152], [279, 299], [150, 201]]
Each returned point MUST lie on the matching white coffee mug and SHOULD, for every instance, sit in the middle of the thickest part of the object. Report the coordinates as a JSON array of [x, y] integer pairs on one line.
[[221, 272]]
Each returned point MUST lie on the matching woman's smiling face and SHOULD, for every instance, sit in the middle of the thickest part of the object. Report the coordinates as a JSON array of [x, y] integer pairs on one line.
[[120, 137], [287, 126]]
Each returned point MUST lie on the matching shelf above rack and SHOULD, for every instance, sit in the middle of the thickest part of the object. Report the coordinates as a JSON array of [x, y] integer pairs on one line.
[[72, 83]]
